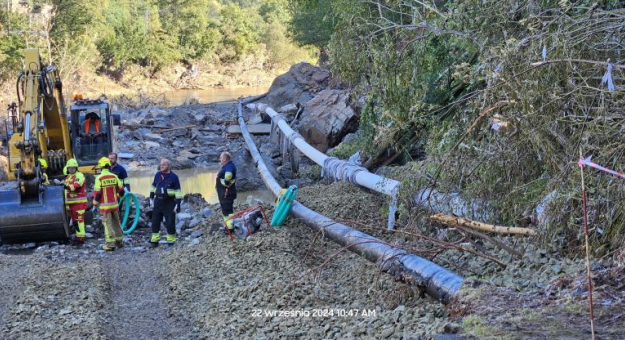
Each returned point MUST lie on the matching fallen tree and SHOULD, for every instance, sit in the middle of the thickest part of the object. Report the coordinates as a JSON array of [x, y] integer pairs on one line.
[[454, 221], [438, 282]]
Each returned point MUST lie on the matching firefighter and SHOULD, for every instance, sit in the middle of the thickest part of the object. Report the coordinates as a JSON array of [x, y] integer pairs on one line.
[[165, 199], [106, 192], [76, 197], [44, 167], [119, 170], [226, 187]]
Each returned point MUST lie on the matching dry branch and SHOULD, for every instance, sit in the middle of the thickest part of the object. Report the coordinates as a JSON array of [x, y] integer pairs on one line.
[[455, 222], [584, 61], [176, 128]]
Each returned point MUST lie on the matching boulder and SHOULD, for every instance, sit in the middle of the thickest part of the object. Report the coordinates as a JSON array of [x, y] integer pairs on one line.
[[153, 137], [188, 154], [289, 109], [195, 222], [251, 200], [327, 118], [137, 135], [207, 212], [298, 85], [200, 118], [184, 216], [151, 145]]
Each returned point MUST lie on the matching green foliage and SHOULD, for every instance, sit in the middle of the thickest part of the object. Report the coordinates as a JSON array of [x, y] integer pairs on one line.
[[240, 31], [187, 20], [110, 35], [428, 69], [11, 43], [313, 21]]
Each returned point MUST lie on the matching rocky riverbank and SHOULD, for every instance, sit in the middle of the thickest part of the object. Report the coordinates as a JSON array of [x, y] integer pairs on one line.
[[289, 281]]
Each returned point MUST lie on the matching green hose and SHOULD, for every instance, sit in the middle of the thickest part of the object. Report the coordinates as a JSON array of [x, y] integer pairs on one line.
[[284, 206], [126, 199]]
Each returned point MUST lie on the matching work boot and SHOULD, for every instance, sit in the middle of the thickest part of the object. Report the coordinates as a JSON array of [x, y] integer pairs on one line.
[[154, 239], [108, 247], [171, 239]]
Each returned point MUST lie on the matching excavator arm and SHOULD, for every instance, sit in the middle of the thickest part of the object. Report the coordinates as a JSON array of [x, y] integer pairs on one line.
[[32, 212]]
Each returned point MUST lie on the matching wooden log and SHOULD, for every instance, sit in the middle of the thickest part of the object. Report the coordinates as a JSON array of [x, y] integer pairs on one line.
[[176, 128], [454, 221], [257, 129]]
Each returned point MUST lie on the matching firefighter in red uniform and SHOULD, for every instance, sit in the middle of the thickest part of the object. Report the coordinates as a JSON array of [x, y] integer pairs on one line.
[[106, 192], [76, 197]]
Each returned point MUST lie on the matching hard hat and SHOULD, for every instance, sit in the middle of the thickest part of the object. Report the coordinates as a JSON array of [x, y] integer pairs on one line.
[[103, 162], [71, 163], [43, 163]]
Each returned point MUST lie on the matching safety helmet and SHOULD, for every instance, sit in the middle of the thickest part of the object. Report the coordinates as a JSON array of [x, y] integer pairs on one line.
[[71, 163], [103, 163], [43, 163]]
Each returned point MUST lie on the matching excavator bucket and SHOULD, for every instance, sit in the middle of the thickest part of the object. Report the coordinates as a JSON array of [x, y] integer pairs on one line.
[[37, 219]]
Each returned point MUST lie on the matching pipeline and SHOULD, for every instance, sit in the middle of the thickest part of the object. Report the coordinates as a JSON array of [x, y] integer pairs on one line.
[[336, 168], [438, 282]]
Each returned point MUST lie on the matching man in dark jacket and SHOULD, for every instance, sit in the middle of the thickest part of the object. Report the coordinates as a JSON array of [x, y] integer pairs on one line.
[[226, 187], [165, 198], [119, 170]]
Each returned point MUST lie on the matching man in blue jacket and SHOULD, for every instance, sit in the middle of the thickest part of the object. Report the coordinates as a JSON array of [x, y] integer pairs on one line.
[[119, 170], [226, 187], [165, 198]]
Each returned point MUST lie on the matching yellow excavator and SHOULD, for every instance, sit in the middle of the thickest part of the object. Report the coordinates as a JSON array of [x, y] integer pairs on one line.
[[39, 127]]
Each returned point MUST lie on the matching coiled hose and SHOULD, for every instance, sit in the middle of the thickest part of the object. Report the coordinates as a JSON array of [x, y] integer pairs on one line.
[[125, 202]]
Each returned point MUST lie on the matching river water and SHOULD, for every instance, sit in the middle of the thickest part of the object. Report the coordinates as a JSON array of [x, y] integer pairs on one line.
[[213, 95]]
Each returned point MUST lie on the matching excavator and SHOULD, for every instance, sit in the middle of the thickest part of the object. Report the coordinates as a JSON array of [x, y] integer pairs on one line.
[[39, 127]]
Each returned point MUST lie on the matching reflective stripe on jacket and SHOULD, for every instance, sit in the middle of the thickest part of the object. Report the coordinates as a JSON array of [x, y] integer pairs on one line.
[[166, 186], [227, 175], [75, 188], [106, 192]]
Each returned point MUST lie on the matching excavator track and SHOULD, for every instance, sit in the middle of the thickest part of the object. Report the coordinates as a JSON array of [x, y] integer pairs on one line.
[[38, 219]]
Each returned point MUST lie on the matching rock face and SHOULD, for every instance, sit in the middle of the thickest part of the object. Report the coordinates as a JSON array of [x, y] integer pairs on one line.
[[299, 85], [327, 118], [3, 167]]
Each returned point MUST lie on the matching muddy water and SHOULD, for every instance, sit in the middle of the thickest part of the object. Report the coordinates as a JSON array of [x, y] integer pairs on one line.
[[213, 94], [198, 180]]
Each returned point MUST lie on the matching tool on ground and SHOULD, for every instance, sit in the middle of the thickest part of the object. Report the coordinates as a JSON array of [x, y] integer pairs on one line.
[[247, 222], [285, 201], [41, 129]]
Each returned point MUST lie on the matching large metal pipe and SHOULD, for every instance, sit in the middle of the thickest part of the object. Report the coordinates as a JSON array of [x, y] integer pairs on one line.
[[438, 282], [386, 186]]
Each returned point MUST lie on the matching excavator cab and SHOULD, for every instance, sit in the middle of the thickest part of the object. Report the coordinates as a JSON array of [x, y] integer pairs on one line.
[[91, 127]]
